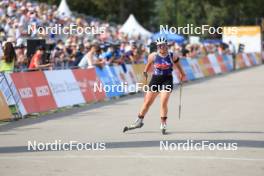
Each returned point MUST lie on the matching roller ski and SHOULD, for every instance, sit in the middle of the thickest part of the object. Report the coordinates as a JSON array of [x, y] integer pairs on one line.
[[138, 124], [163, 128], [163, 125]]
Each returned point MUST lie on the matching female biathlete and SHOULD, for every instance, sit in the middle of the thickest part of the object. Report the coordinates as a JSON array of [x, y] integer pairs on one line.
[[160, 83]]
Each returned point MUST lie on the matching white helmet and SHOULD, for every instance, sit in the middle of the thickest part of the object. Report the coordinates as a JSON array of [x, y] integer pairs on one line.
[[161, 40]]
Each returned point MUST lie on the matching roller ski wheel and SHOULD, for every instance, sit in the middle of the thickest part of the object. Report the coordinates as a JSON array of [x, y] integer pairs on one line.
[[163, 131]]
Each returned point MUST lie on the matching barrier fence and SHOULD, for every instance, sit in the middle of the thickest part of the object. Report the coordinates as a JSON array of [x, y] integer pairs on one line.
[[41, 91]]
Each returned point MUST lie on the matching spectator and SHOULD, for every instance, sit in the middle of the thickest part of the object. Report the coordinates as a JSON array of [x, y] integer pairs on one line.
[[7, 62], [92, 58], [22, 60], [232, 50], [79, 55], [17, 15], [113, 55], [1, 51], [132, 54], [36, 61], [185, 51]]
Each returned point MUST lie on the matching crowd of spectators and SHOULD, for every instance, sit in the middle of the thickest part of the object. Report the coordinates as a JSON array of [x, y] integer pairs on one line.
[[72, 51]]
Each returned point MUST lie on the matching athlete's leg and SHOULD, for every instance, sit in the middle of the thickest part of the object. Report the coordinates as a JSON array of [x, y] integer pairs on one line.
[[164, 98], [148, 100]]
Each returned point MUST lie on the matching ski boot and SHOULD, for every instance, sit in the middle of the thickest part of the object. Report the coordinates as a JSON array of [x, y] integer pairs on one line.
[[138, 124], [163, 125]]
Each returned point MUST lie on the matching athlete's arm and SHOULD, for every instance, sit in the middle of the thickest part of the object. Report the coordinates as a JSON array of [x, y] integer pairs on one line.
[[176, 61], [41, 66], [149, 64]]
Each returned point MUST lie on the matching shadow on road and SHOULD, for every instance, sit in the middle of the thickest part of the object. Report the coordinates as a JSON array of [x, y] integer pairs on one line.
[[143, 144]]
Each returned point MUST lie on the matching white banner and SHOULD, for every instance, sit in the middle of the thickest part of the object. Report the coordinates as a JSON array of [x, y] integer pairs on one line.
[[250, 36], [65, 89]]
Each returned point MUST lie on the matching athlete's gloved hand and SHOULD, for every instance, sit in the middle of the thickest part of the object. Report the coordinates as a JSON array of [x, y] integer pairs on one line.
[[182, 77], [145, 75]]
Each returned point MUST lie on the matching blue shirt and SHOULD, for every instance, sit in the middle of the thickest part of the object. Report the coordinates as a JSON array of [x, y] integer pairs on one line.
[[163, 65], [108, 55]]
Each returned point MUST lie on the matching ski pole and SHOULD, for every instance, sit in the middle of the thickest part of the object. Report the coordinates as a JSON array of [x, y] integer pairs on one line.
[[180, 103]]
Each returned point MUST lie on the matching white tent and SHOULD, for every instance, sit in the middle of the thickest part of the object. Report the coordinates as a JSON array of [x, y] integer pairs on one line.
[[64, 10], [132, 27]]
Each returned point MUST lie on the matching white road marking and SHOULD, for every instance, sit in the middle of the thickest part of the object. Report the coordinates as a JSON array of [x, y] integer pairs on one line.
[[129, 157]]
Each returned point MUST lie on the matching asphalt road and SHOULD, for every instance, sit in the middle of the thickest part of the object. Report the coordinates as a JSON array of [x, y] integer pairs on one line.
[[228, 110]]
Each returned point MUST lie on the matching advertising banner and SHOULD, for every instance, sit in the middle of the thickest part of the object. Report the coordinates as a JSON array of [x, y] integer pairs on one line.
[[4, 87], [127, 77], [214, 63], [187, 69], [123, 78], [228, 60], [130, 75], [258, 57], [252, 58], [138, 70], [246, 60], [208, 65], [34, 91], [221, 63], [10, 93], [195, 67], [110, 80], [64, 87], [239, 61], [203, 67], [87, 80], [4, 109]]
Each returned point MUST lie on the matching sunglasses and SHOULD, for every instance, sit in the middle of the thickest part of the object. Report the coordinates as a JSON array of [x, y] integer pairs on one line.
[[162, 46]]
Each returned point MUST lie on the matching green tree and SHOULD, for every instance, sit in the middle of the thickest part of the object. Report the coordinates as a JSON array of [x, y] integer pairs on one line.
[[152, 13]]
